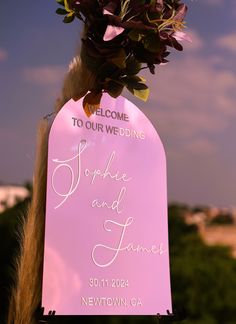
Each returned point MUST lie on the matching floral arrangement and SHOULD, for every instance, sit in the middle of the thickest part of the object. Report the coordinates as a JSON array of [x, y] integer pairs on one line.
[[122, 37]]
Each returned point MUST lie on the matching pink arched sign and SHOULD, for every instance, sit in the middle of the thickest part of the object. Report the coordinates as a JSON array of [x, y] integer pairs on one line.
[[106, 240]]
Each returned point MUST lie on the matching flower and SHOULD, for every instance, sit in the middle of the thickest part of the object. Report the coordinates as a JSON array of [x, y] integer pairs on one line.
[[181, 36], [111, 31]]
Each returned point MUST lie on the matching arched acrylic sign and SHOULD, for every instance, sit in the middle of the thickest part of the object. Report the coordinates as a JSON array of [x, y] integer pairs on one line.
[[106, 240]]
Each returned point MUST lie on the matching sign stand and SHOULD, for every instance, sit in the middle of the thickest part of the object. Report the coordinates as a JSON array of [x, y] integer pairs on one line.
[[177, 315]]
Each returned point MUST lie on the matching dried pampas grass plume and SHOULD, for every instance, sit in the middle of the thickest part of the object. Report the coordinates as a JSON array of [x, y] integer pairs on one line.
[[26, 295], [76, 84]]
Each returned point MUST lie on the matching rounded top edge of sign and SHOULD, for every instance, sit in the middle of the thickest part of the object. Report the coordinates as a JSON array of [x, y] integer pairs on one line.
[[136, 114]]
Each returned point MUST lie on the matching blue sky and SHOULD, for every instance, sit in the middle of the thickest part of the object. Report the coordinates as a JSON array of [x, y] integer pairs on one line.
[[192, 102]]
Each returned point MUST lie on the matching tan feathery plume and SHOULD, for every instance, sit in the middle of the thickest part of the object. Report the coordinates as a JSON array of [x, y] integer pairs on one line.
[[26, 295]]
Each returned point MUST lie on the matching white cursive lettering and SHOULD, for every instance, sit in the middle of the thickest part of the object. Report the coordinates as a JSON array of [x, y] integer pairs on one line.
[[114, 206], [106, 173], [74, 181], [118, 247], [115, 249]]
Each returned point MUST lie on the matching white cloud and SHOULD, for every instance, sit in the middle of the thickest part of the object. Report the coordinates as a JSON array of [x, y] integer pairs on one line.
[[227, 42], [3, 55], [192, 97], [44, 75], [201, 146], [197, 42], [193, 105]]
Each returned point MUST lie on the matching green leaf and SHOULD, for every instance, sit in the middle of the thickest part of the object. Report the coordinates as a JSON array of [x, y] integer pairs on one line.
[[119, 59], [67, 7], [152, 42], [132, 66], [135, 35], [113, 88], [140, 86], [142, 79], [61, 11], [138, 89], [107, 70], [142, 94], [69, 18], [153, 16], [132, 81], [61, 2]]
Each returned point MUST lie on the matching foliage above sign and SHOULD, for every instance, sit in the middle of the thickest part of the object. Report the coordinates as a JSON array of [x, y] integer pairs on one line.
[[122, 37]]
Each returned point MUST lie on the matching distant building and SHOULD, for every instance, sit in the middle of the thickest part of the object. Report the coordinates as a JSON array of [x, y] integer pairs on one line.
[[217, 226], [11, 195]]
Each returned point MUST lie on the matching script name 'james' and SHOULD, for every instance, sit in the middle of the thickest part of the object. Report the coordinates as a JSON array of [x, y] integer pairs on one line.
[[114, 250], [75, 175]]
